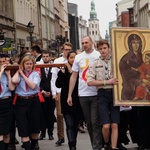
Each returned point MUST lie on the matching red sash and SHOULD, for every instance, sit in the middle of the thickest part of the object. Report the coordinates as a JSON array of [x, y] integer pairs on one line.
[[15, 99], [27, 87]]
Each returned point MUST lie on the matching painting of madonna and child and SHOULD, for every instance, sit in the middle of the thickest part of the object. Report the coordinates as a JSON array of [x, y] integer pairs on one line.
[[131, 65]]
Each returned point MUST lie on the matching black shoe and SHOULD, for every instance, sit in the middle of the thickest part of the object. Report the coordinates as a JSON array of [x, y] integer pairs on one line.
[[36, 146], [41, 137], [72, 148], [142, 147], [60, 141], [121, 147], [107, 146], [51, 137], [12, 147], [22, 146]]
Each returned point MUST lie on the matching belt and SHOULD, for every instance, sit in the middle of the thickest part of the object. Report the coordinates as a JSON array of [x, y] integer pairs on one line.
[[28, 97], [105, 90], [46, 96], [5, 97]]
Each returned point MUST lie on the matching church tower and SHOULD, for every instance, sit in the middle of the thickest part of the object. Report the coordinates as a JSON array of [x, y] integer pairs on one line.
[[107, 36], [94, 31]]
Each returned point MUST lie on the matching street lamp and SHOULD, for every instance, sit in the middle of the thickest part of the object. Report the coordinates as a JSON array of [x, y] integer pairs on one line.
[[30, 28], [2, 40], [60, 40]]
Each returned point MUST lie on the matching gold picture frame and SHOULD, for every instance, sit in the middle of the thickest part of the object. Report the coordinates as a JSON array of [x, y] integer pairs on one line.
[[131, 65]]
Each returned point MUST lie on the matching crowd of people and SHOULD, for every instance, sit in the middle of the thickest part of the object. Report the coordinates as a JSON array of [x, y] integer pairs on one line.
[[81, 92]]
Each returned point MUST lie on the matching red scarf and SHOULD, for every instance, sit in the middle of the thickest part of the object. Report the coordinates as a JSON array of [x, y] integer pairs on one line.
[[27, 87]]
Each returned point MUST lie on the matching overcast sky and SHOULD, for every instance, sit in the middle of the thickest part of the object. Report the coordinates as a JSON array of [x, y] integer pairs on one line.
[[105, 11]]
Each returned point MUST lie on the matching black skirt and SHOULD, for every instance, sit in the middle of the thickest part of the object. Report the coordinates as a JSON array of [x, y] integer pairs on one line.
[[6, 115], [28, 116]]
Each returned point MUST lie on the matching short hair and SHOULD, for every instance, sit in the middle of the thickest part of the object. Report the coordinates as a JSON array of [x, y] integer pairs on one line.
[[87, 37], [36, 48], [26, 58], [67, 44], [4, 56], [102, 42], [46, 52], [23, 52]]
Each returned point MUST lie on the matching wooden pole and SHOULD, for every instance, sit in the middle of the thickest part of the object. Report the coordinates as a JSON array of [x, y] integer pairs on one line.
[[16, 67]]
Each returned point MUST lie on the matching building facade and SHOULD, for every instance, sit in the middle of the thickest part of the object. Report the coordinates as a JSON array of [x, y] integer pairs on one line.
[[49, 18], [142, 13], [73, 23], [124, 13], [25, 12], [83, 31], [47, 22], [7, 28]]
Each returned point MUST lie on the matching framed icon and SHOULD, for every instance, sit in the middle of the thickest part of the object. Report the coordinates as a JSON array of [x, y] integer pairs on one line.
[[131, 65]]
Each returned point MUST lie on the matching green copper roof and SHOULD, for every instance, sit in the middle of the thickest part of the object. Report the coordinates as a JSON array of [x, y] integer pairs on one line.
[[93, 14]]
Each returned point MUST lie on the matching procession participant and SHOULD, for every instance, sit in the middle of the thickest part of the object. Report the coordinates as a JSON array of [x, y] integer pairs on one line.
[[71, 113], [6, 106], [48, 106], [100, 75], [37, 53], [28, 106], [6, 59], [67, 46], [87, 95]]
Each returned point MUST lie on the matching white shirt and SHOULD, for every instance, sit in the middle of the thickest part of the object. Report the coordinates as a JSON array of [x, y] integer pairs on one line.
[[41, 60], [55, 71], [81, 65], [21, 86]]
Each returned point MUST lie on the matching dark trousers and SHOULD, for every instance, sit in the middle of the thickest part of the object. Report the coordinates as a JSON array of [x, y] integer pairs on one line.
[[72, 122], [81, 118], [144, 125], [13, 129], [123, 128], [48, 108], [90, 110], [133, 124]]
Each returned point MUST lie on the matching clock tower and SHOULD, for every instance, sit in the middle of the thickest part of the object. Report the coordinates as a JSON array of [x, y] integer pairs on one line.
[[94, 31]]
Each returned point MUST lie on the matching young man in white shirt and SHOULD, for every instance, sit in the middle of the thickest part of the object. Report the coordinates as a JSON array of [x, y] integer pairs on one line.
[[87, 95]]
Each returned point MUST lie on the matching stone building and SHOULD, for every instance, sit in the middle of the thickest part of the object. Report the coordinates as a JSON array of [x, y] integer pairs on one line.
[[83, 30], [48, 17], [7, 29], [142, 13]]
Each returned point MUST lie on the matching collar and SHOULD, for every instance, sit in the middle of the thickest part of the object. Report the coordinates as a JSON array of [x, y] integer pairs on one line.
[[64, 59], [106, 60], [38, 56]]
